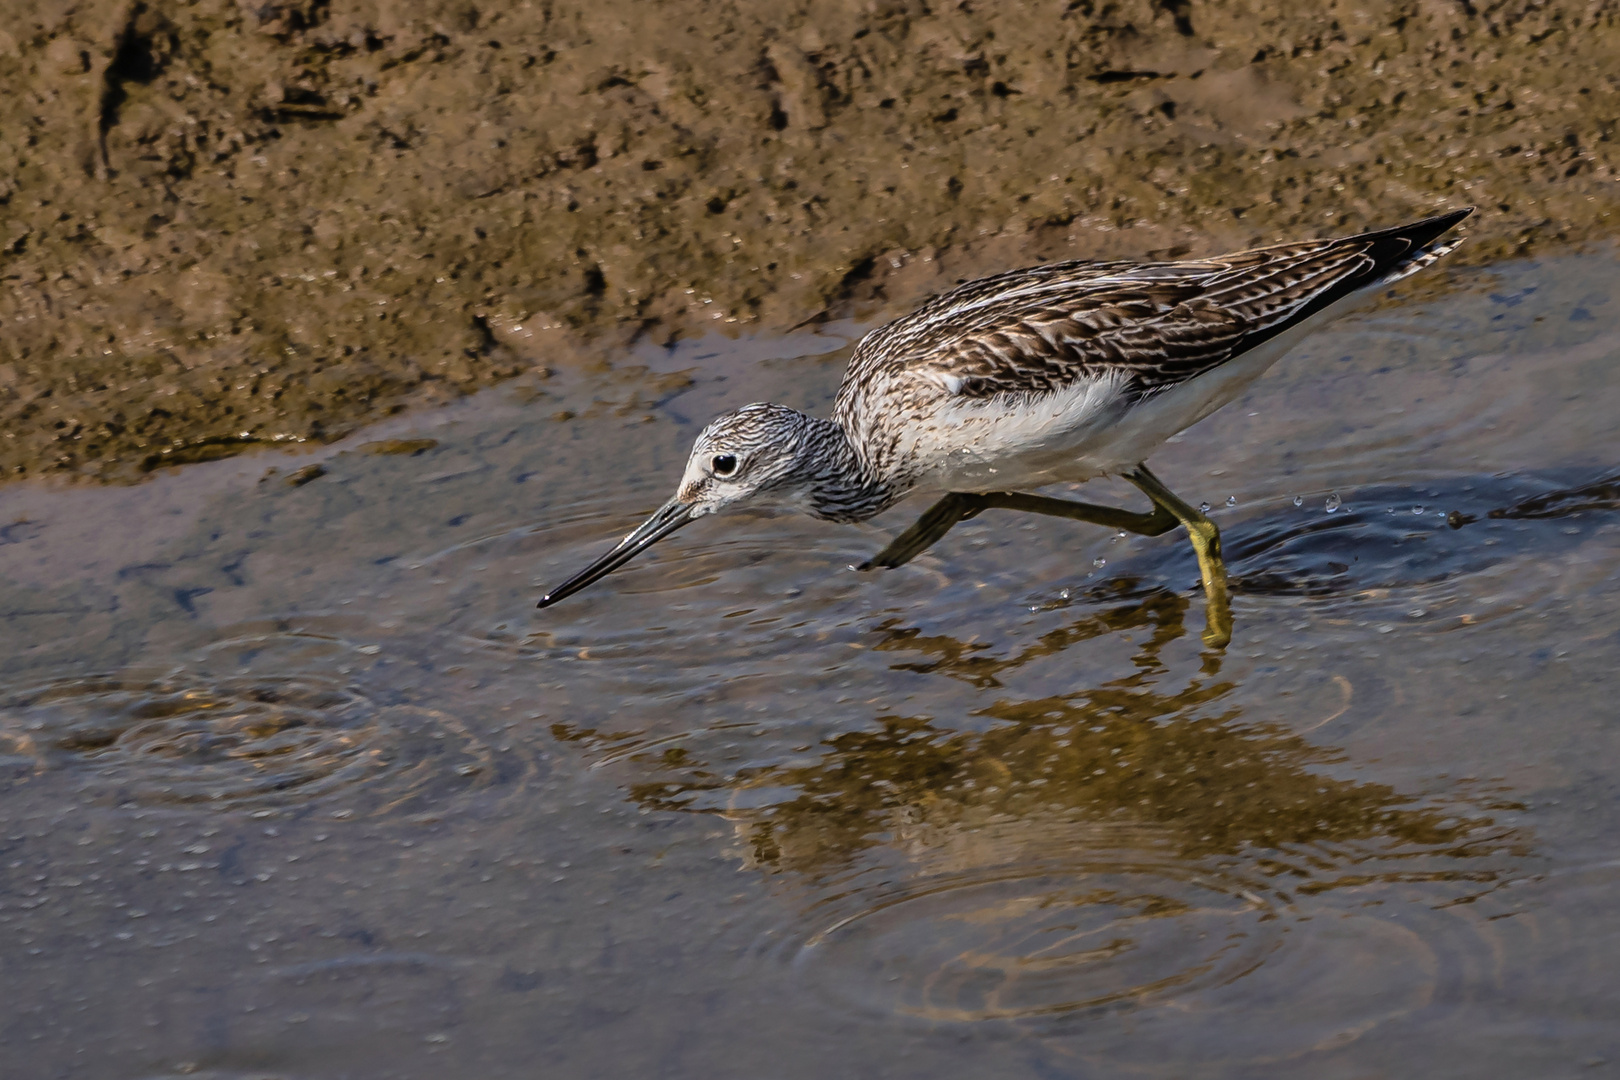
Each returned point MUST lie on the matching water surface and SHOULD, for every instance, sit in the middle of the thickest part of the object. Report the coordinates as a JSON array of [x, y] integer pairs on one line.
[[298, 783]]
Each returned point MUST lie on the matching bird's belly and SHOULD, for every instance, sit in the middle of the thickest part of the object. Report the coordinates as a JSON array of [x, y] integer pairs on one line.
[[1086, 432], [997, 445]]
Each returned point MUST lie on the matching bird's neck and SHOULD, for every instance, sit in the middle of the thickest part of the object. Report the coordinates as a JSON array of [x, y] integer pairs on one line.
[[841, 485]]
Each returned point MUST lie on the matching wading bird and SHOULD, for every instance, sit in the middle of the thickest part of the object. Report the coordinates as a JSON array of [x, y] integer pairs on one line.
[[1057, 373]]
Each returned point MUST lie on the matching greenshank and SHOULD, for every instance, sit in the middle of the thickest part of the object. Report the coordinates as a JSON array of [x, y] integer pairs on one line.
[[1052, 374]]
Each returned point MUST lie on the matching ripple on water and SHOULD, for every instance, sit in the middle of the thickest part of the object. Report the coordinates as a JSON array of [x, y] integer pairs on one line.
[[1035, 942], [1054, 948], [288, 732]]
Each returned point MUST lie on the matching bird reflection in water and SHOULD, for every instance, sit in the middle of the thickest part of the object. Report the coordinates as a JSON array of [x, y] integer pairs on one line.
[[1180, 761]]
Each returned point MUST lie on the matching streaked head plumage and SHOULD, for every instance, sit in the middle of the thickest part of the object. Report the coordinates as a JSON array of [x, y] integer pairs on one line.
[[750, 455]]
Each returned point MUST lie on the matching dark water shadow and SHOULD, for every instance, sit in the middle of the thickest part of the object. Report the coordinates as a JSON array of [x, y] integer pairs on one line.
[[1398, 543], [1600, 495]]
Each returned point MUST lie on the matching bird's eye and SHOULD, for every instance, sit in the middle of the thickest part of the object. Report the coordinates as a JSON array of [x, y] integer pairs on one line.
[[724, 464]]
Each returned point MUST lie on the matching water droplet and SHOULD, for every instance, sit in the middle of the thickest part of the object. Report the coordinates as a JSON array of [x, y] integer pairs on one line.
[[1063, 594], [1417, 613], [1099, 561], [1231, 500], [1299, 500], [1203, 508], [1334, 502], [1418, 510]]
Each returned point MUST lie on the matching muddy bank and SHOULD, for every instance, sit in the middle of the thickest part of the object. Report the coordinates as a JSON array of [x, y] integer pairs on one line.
[[228, 223]]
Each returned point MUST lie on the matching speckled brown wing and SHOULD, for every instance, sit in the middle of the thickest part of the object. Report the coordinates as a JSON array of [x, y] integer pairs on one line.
[[1135, 332], [1150, 326]]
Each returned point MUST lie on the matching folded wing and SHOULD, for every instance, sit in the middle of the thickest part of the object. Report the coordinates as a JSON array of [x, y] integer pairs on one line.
[[1144, 326]]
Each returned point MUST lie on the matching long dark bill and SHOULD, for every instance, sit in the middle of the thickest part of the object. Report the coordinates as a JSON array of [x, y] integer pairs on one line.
[[671, 516]]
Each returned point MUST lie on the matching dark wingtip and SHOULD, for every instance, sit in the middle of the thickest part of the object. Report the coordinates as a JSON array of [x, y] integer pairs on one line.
[[1404, 246], [545, 601], [1415, 234], [1425, 231]]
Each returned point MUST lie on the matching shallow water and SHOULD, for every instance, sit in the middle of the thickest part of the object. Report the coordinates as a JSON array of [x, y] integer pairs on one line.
[[298, 783]]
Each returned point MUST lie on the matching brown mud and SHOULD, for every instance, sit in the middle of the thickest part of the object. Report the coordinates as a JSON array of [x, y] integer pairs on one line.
[[229, 223]]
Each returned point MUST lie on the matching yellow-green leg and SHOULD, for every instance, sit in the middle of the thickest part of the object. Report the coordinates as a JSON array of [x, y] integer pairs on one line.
[[1206, 542]]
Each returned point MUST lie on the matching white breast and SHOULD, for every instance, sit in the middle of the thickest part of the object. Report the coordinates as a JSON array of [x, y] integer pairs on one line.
[[998, 444]]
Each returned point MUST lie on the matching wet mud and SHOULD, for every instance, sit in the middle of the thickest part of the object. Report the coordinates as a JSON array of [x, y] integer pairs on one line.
[[236, 223]]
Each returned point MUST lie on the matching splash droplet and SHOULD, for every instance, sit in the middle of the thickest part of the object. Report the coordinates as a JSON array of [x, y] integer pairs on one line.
[[1334, 502], [1099, 561], [1203, 508], [1299, 500], [1418, 510], [1231, 500]]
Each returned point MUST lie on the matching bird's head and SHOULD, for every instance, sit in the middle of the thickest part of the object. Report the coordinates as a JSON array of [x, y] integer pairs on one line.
[[751, 458]]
